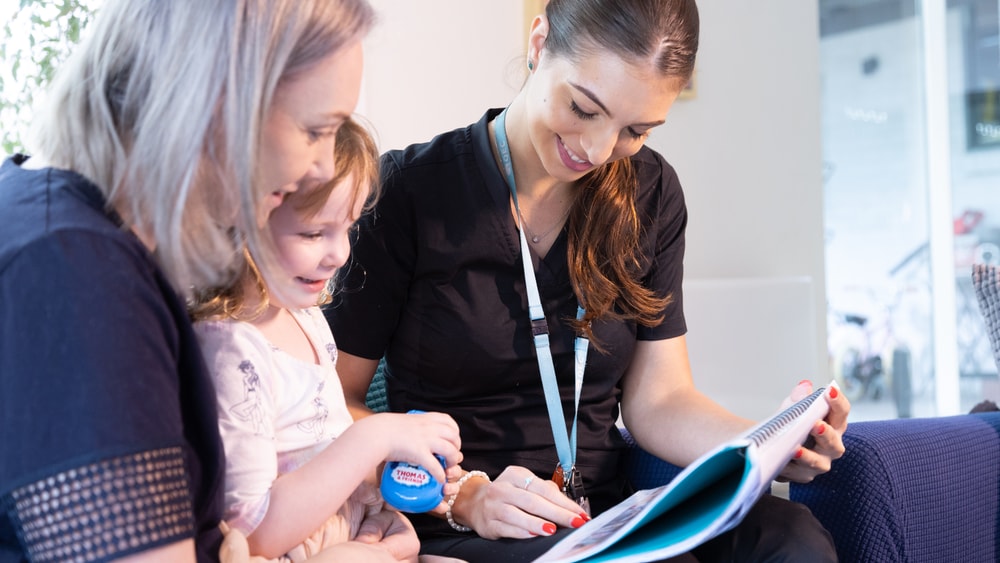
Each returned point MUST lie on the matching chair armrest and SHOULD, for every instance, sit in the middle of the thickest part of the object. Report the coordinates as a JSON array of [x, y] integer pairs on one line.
[[643, 469], [912, 490]]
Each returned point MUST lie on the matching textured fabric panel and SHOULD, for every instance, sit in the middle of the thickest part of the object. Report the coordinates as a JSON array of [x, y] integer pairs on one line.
[[913, 490], [376, 398], [644, 470], [986, 280], [106, 509]]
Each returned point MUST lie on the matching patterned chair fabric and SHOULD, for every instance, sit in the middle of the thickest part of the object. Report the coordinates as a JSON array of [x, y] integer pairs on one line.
[[376, 399], [986, 280], [913, 490]]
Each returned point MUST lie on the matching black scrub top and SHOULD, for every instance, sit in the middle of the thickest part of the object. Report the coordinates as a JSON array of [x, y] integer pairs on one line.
[[436, 286]]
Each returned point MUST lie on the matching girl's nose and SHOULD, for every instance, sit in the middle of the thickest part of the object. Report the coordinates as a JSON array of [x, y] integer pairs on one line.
[[338, 252]]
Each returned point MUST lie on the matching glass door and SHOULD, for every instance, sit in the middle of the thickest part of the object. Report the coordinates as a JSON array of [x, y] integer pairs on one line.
[[888, 140], [973, 55], [876, 207]]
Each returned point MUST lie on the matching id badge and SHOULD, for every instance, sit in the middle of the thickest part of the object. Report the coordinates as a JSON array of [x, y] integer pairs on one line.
[[572, 487]]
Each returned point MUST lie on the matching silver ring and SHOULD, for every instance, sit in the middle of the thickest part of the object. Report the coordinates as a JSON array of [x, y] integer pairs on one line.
[[527, 481]]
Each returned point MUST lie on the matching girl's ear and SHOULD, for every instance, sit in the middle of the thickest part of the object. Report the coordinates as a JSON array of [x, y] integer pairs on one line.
[[536, 37]]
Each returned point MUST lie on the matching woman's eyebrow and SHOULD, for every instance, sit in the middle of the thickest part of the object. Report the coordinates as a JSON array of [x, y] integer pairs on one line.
[[593, 97]]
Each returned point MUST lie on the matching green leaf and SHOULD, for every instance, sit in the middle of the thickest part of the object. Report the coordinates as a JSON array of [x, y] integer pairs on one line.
[[39, 37]]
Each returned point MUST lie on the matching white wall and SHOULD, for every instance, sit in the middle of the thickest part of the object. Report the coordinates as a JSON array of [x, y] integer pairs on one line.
[[434, 65], [747, 147]]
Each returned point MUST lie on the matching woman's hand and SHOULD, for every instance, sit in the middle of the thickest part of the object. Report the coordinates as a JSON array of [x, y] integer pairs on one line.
[[825, 442], [516, 505], [392, 532]]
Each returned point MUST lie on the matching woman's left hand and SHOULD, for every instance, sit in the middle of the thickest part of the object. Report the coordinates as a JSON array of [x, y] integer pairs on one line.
[[825, 442], [391, 531]]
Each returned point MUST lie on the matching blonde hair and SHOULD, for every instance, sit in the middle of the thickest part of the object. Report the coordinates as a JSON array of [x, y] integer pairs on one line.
[[355, 152], [161, 107]]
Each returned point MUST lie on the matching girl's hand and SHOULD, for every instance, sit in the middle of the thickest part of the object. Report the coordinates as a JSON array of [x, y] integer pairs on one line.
[[516, 505], [415, 438], [825, 442]]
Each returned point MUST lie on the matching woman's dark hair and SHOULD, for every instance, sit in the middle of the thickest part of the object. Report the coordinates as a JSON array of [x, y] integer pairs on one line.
[[604, 225], [662, 31]]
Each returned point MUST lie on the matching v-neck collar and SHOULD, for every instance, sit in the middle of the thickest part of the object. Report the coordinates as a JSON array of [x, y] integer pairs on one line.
[[547, 267]]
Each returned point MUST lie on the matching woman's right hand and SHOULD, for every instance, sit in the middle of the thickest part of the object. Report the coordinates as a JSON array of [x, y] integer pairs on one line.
[[517, 504]]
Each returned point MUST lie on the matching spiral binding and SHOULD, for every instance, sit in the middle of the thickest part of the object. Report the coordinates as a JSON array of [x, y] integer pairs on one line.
[[782, 419]]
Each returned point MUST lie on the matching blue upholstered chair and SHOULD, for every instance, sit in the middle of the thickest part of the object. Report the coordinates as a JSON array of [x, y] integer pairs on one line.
[[913, 490]]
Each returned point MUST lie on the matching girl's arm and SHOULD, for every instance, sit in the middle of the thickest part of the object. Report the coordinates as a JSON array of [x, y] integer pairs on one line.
[[302, 500]]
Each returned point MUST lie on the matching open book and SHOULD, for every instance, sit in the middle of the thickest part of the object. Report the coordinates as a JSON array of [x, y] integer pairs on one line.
[[709, 497]]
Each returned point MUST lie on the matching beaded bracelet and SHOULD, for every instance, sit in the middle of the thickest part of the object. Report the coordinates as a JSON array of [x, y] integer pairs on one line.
[[451, 499]]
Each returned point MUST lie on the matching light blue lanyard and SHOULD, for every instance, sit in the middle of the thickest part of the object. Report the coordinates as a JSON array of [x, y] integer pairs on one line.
[[565, 445]]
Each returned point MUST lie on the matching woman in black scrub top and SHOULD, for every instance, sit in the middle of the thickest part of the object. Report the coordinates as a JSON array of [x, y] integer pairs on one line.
[[437, 286]]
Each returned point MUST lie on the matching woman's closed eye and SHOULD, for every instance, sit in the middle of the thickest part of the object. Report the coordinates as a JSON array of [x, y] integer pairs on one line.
[[311, 235], [579, 111], [316, 135], [635, 134]]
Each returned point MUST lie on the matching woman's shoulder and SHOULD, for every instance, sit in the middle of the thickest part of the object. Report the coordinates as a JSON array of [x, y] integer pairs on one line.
[[658, 181], [460, 145], [651, 165], [41, 208]]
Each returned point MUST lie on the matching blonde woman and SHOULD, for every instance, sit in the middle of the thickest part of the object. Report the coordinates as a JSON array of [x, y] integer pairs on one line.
[[167, 137]]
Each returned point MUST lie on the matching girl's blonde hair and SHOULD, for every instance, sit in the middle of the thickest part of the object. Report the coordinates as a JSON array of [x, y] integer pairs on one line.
[[162, 106], [355, 152]]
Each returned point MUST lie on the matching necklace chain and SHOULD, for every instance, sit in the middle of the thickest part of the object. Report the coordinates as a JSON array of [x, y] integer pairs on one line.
[[536, 238]]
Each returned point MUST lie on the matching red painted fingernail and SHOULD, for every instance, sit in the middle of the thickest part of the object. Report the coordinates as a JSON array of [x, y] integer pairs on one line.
[[549, 528], [805, 381], [577, 522], [822, 429], [834, 393], [798, 453], [585, 516]]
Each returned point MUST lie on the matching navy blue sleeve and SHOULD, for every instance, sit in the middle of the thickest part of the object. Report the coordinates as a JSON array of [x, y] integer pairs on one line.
[[89, 392]]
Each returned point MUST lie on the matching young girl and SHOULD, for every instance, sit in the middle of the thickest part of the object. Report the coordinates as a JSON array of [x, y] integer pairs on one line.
[[297, 467]]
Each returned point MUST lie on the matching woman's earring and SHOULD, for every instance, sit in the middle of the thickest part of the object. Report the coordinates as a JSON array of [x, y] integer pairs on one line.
[[531, 65]]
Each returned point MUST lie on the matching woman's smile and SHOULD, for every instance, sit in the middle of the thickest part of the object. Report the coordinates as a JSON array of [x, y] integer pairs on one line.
[[570, 159]]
